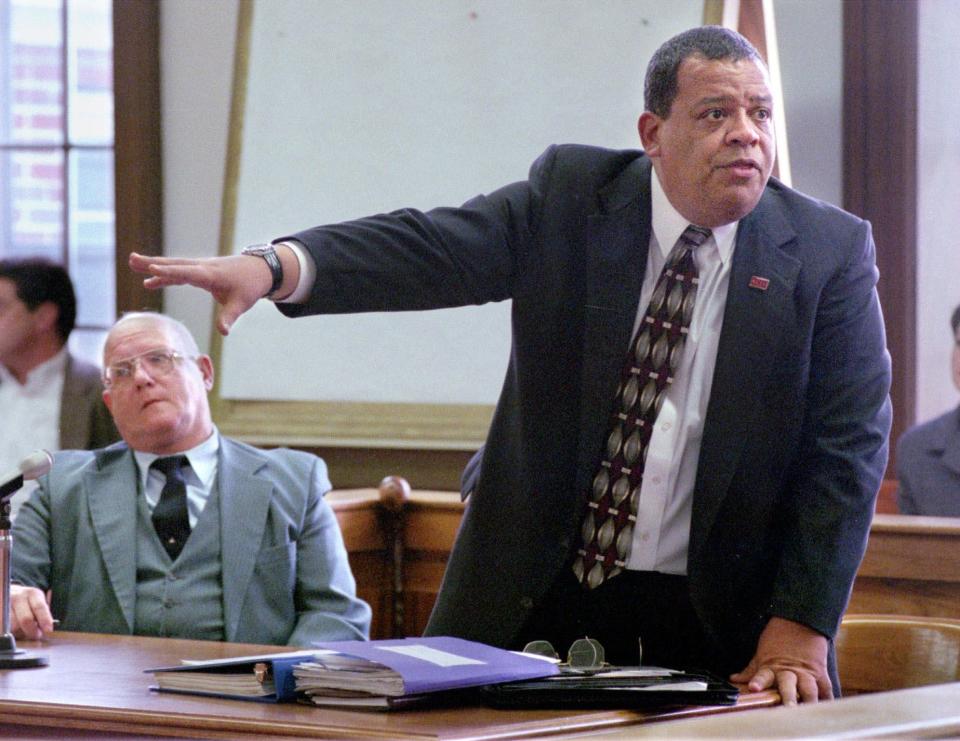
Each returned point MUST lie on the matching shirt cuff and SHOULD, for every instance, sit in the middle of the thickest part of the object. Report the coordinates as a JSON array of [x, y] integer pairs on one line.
[[308, 274]]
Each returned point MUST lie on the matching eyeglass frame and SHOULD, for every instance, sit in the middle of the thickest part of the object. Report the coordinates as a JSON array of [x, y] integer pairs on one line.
[[171, 356], [545, 648]]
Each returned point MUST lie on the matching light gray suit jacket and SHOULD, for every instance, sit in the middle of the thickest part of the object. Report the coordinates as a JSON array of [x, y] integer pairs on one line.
[[286, 579], [928, 468]]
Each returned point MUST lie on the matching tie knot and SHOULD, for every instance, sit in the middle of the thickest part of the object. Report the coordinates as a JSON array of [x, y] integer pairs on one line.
[[171, 465], [695, 235]]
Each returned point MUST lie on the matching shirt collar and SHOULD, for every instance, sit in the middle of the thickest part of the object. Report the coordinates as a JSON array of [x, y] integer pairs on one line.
[[203, 461], [669, 224], [47, 372]]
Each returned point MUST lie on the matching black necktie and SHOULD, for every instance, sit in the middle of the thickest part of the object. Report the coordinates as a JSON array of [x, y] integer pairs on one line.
[[170, 518]]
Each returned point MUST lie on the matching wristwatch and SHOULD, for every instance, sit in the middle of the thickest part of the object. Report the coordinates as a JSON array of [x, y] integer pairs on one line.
[[269, 253]]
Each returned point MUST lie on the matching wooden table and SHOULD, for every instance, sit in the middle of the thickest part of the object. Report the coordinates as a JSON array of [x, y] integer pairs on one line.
[[97, 683], [918, 712]]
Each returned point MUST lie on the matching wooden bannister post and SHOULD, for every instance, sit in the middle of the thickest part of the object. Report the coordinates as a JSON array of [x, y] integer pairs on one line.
[[394, 495]]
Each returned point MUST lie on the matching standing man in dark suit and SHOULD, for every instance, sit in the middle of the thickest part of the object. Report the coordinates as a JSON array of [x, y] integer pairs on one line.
[[928, 456], [741, 442], [50, 398]]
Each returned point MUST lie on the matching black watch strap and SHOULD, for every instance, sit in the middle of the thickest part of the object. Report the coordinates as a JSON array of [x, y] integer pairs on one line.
[[269, 253]]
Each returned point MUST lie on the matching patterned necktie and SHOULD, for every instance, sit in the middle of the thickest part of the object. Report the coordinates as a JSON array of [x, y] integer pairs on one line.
[[607, 529], [170, 518]]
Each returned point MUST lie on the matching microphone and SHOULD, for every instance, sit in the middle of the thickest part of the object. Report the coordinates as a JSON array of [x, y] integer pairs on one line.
[[32, 467]]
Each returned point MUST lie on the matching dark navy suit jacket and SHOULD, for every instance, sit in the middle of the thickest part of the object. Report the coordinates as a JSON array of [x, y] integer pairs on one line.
[[795, 438]]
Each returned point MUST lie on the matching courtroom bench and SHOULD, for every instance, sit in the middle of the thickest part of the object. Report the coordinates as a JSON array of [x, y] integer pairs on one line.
[[399, 540]]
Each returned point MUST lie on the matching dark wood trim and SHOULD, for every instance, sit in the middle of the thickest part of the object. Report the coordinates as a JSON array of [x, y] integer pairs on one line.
[[880, 170], [137, 137], [355, 468]]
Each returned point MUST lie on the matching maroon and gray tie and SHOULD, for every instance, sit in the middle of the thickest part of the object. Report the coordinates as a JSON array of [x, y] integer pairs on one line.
[[653, 359]]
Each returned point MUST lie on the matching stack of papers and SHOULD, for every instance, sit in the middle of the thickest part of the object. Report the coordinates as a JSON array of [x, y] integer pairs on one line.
[[267, 677], [393, 673]]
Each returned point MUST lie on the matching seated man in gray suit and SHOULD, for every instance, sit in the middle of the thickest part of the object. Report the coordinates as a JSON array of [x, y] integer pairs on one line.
[[176, 530], [928, 456]]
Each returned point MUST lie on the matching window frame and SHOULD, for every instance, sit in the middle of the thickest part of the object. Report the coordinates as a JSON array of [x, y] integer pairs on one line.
[[138, 173]]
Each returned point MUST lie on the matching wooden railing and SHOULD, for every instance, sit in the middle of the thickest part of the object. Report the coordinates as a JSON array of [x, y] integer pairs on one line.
[[399, 542], [912, 567]]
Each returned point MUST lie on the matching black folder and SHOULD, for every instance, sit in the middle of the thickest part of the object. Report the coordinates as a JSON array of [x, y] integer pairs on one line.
[[613, 687]]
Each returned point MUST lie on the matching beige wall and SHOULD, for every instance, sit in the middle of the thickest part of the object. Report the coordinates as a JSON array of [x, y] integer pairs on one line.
[[938, 201], [196, 62], [197, 44]]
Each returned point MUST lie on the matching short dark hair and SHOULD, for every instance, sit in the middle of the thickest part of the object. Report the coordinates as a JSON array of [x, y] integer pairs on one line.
[[709, 42], [38, 281], [955, 320]]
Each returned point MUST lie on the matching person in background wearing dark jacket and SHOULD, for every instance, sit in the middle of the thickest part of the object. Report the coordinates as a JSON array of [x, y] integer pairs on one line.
[[928, 455]]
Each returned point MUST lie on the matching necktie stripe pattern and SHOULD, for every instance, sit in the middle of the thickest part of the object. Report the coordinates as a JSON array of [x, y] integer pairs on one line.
[[607, 527], [170, 518]]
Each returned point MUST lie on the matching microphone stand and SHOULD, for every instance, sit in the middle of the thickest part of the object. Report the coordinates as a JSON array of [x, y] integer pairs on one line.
[[11, 657]]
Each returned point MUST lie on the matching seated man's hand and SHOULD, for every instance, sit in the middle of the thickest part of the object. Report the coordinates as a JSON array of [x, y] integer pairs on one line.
[[30, 616], [792, 658]]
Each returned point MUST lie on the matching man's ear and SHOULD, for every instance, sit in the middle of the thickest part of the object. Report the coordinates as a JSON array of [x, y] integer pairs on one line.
[[107, 400], [649, 128], [46, 315], [206, 369]]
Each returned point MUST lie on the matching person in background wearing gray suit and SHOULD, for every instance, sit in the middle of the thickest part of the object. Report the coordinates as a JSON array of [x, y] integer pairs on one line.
[[177, 530], [693, 425], [928, 456], [50, 398]]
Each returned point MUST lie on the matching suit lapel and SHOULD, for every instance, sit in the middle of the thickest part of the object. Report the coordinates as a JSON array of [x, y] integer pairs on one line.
[[244, 506], [112, 491], [754, 320], [620, 232]]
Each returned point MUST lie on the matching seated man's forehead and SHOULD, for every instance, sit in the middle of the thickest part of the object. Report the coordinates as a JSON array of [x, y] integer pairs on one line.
[[127, 341]]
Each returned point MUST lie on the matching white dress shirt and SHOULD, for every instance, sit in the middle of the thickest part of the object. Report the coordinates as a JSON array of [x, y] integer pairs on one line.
[[661, 537], [31, 417], [199, 477]]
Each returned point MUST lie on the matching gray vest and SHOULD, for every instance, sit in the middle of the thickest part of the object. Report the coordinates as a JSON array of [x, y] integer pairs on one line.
[[182, 599]]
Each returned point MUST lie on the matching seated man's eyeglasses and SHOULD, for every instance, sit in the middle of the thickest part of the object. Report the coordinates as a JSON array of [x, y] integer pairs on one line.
[[156, 363]]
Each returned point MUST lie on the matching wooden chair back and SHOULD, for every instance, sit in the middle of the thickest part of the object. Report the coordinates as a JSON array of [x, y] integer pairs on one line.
[[887, 652]]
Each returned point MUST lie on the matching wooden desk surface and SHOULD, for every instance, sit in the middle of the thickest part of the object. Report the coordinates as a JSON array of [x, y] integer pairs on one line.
[[919, 712], [97, 682]]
